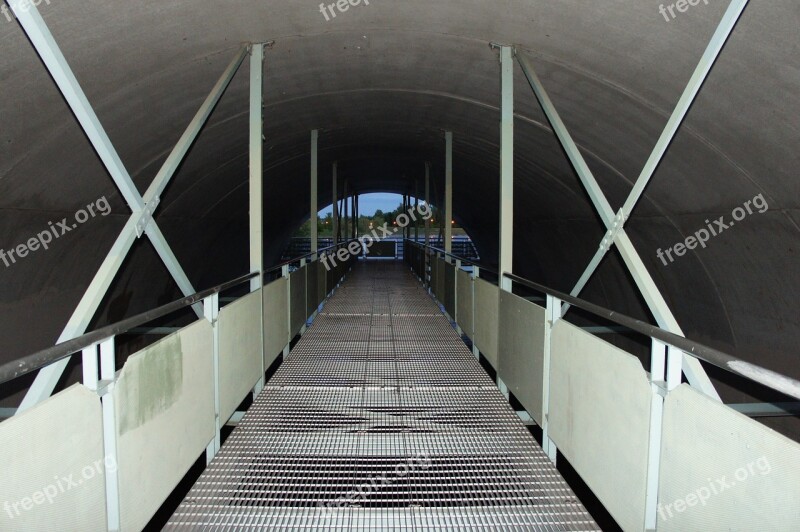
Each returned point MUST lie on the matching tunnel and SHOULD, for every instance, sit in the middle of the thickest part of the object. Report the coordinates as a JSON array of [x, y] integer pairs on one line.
[[644, 149]]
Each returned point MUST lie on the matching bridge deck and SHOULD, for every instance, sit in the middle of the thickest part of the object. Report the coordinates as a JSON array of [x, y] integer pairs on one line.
[[381, 419]]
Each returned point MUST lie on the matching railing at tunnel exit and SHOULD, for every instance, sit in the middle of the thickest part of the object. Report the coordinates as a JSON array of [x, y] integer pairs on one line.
[[462, 246], [105, 454], [657, 453]]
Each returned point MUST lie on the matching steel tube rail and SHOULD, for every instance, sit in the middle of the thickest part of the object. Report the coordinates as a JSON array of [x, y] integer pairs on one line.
[[27, 364], [280, 266], [769, 378], [748, 370], [463, 260]]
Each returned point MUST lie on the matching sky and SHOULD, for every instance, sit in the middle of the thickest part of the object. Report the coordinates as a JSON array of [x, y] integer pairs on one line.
[[369, 203]]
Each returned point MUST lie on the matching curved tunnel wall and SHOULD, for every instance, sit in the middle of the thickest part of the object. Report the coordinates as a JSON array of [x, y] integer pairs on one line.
[[382, 82]]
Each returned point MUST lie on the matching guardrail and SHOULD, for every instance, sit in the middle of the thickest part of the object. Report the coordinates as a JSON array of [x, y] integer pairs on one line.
[[22, 366], [769, 378], [138, 429], [656, 452]]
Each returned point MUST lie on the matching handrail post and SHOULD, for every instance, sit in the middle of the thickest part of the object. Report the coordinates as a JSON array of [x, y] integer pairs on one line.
[[108, 376], [658, 385], [211, 313], [476, 274], [506, 207], [553, 314], [99, 377], [303, 264], [285, 274], [455, 297], [674, 371], [259, 386], [91, 367]]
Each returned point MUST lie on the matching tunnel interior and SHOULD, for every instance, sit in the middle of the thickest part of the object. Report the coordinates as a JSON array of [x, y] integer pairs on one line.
[[382, 82]]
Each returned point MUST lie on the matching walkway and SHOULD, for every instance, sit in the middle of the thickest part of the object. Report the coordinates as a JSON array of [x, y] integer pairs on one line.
[[381, 419]]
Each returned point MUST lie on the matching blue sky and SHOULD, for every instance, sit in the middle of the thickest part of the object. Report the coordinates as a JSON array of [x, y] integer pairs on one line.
[[369, 203]]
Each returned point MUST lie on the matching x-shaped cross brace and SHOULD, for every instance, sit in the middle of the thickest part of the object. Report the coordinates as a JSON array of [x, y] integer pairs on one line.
[[142, 207], [615, 223]]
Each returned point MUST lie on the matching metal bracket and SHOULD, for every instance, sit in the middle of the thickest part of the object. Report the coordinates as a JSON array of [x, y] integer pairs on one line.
[[146, 216], [660, 388], [498, 46], [616, 226], [105, 387], [265, 44]]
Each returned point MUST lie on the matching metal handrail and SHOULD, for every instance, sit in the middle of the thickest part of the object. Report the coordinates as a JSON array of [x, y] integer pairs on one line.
[[463, 260], [767, 377], [307, 255], [754, 372], [22, 366]]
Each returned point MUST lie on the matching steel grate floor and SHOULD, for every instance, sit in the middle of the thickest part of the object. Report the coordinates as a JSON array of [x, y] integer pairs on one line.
[[381, 419]]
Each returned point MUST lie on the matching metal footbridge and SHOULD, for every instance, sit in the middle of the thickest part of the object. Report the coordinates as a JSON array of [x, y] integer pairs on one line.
[[381, 418]]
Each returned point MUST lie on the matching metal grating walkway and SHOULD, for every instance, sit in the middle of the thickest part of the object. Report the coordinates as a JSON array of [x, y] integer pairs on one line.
[[381, 419]]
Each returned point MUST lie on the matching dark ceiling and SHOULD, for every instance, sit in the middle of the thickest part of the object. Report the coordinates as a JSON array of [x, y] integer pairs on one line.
[[382, 82]]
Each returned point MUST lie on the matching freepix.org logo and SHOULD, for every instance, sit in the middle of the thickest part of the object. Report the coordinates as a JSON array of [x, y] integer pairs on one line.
[[339, 7], [23, 5], [356, 247], [682, 6], [702, 236], [54, 231], [61, 484]]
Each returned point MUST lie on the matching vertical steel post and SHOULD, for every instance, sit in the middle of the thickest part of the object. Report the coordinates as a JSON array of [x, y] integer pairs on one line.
[[448, 193], [506, 252], [658, 361], [553, 314], [335, 204], [354, 219], [427, 204], [211, 313], [314, 190], [256, 186], [108, 372], [285, 275], [256, 165], [455, 303], [476, 274], [345, 211], [416, 211]]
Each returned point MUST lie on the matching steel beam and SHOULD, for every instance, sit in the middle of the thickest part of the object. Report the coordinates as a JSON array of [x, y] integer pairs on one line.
[[707, 61], [51, 55], [335, 203], [655, 301], [169, 259], [48, 50], [256, 195], [47, 378], [186, 141], [345, 211], [767, 409], [428, 203], [448, 193], [256, 182], [506, 239], [416, 210], [314, 207], [714, 48], [353, 216], [596, 195]]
